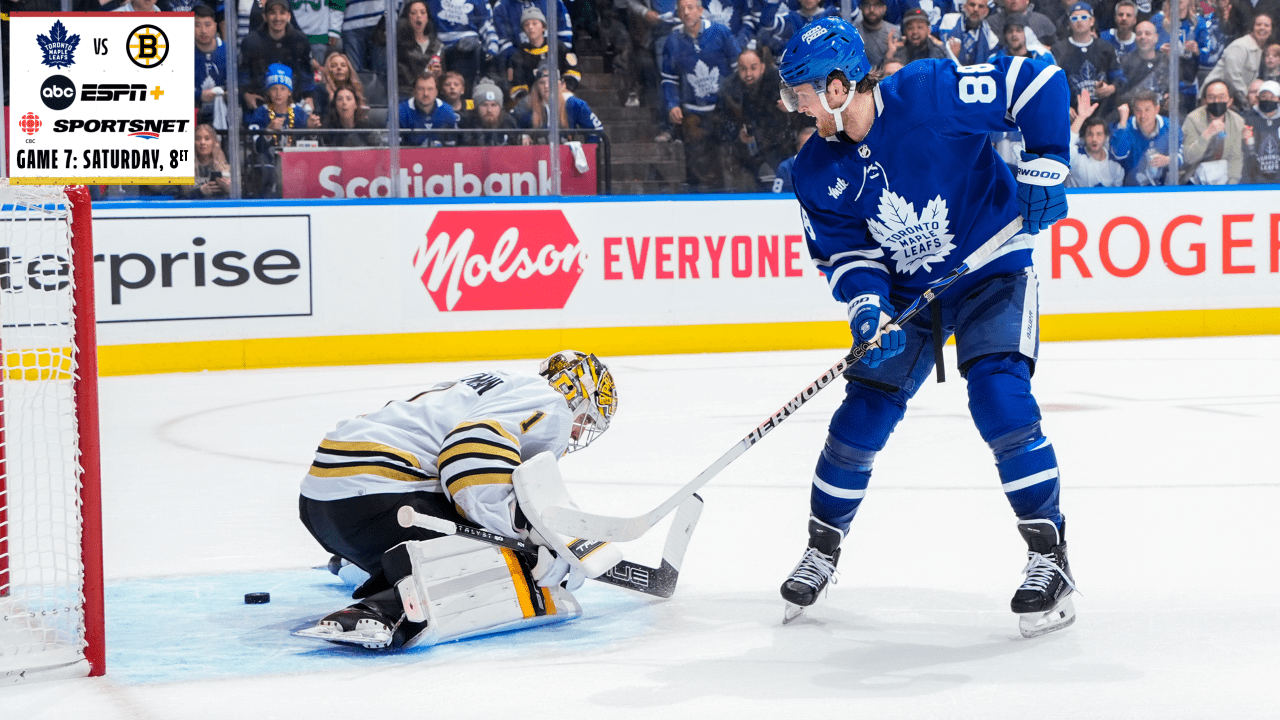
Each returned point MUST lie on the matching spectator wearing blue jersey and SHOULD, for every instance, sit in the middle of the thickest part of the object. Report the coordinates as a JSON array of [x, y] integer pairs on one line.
[[740, 16], [426, 111], [1144, 142], [211, 69], [697, 59], [465, 28], [1121, 36], [364, 34], [967, 37], [903, 195], [1217, 30], [575, 115]]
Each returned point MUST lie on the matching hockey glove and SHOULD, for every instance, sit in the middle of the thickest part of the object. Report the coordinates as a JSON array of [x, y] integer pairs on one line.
[[868, 318], [1042, 201], [552, 570]]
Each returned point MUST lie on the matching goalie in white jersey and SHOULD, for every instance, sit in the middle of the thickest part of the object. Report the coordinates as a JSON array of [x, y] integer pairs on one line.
[[450, 452]]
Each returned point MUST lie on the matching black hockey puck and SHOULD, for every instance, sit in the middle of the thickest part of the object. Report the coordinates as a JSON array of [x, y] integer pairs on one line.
[[256, 598]]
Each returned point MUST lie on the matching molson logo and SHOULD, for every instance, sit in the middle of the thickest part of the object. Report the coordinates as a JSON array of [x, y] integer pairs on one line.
[[499, 260]]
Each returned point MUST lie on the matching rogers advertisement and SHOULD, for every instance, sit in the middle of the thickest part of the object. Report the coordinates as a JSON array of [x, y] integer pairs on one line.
[[516, 171]]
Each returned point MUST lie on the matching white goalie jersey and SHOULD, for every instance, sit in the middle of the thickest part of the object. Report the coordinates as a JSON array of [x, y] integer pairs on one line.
[[463, 438]]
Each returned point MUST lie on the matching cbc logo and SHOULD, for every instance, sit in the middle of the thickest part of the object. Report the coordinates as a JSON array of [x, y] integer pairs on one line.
[[58, 92]]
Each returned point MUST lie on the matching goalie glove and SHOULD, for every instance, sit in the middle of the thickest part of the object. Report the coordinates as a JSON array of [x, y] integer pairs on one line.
[[1042, 201], [869, 318], [553, 570]]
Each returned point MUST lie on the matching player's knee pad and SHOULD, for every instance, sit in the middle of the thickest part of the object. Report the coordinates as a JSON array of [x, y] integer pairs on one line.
[[840, 482], [1000, 399], [868, 414], [462, 588]]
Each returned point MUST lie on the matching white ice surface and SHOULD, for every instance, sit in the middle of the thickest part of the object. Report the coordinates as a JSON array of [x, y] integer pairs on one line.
[[1168, 452]]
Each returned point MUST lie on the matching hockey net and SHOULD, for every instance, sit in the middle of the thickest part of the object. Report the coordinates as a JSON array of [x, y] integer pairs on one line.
[[51, 617]]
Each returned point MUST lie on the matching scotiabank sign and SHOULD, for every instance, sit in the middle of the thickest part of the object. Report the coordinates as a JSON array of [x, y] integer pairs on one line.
[[434, 172], [499, 260]]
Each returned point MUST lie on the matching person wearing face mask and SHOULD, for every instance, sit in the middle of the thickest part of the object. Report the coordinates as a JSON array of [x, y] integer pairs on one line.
[[1262, 137], [1213, 149]]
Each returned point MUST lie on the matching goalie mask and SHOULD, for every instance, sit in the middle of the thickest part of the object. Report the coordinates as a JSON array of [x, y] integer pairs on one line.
[[588, 387]]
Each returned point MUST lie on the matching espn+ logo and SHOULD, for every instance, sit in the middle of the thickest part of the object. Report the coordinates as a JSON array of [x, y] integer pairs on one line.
[[499, 260], [58, 92]]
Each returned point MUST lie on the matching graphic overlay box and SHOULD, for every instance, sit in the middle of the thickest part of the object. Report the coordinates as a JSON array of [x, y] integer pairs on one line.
[[101, 98]]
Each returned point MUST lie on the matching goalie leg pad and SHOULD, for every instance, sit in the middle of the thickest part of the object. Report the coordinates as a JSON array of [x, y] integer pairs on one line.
[[462, 589]]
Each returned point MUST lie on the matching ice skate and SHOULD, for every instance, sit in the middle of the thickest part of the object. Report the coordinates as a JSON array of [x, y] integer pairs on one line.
[[815, 570], [1043, 602], [364, 625]]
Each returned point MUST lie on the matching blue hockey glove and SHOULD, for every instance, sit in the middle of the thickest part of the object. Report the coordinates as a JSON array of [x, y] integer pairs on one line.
[[868, 318], [1041, 197]]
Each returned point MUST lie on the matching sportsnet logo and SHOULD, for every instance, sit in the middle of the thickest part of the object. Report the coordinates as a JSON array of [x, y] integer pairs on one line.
[[499, 260], [812, 34]]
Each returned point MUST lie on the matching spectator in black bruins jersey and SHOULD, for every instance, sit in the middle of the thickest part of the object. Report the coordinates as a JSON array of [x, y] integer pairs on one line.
[[527, 57]]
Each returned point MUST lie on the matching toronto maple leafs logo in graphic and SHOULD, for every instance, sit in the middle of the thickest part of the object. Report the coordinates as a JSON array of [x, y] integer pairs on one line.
[[915, 240], [457, 12], [1088, 78], [720, 13], [1269, 153], [59, 48], [704, 80]]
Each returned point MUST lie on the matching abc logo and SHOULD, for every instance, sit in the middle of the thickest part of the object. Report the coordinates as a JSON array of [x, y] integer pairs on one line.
[[58, 92]]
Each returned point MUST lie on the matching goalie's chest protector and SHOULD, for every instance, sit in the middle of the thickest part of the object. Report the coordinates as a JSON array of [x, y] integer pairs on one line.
[[922, 186]]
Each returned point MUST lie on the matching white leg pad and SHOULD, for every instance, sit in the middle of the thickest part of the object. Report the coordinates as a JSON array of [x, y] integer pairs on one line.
[[463, 589], [539, 485]]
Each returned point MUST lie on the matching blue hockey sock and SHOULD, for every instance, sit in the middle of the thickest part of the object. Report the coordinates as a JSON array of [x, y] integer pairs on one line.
[[1029, 473], [840, 482]]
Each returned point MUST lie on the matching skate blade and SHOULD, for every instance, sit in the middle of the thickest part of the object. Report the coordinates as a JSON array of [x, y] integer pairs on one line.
[[1035, 624], [792, 612], [372, 639]]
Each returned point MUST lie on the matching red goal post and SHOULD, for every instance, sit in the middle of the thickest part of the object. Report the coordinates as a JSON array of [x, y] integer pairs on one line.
[[51, 593]]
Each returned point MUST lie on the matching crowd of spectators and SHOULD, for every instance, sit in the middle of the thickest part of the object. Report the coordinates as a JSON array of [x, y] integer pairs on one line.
[[471, 72]]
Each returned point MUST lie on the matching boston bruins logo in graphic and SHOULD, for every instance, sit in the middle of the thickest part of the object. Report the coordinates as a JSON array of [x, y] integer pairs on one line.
[[147, 46]]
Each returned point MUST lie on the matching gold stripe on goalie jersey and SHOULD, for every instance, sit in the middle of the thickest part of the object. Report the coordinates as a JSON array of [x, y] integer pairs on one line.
[[525, 587], [339, 447], [329, 470], [531, 421], [477, 448]]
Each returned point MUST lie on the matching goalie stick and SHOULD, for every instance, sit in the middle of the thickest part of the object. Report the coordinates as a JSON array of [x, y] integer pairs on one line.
[[608, 528], [659, 581]]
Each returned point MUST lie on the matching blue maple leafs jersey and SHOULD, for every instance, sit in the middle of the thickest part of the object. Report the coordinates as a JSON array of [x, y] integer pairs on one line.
[[924, 189]]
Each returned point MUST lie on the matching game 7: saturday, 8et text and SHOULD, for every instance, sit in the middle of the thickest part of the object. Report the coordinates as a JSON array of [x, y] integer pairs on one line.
[[66, 159]]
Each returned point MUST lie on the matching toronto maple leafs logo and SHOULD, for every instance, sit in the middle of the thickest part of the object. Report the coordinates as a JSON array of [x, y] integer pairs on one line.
[[915, 240], [720, 13], [457, 12], [704, 80], [59, 48]]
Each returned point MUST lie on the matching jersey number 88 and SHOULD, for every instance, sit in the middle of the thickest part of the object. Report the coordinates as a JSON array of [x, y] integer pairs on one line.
[[981, 89]]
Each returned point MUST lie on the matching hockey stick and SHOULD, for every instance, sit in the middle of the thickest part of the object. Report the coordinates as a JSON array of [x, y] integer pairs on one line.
[[575, 523], [659, 581]]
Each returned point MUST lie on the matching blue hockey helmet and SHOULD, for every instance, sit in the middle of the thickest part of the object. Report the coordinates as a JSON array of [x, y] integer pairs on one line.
[[818, 50]]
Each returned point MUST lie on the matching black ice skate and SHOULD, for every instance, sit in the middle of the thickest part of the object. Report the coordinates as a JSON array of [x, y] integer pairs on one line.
[[1043, 602], [364, 624], [816, 569]]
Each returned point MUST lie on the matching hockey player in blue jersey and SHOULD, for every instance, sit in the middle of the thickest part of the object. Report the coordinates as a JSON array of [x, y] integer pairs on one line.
[[903, 188]]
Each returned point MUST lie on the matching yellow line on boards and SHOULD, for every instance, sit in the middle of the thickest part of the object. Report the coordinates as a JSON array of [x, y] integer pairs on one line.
[[512, 344]]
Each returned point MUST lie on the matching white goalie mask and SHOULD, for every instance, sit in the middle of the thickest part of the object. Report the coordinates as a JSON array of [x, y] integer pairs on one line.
[[588, 387]]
